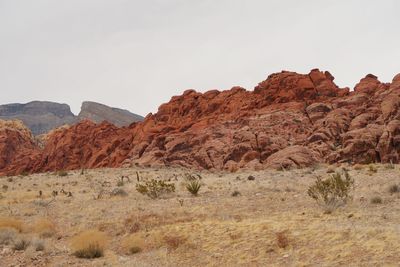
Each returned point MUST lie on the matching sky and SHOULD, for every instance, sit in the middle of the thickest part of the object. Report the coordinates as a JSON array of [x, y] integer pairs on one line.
[[136, 54]]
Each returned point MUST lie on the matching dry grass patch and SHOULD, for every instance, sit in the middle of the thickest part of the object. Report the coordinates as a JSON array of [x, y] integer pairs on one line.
[[89, 244], [174, 241], [7, 236], [44, 227], [394, 189], [133, 244], [282, 239], [376, 200], [9, 222]]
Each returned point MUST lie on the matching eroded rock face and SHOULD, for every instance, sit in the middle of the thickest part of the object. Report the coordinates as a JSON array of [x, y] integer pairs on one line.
[[290, 120], [16, 140]]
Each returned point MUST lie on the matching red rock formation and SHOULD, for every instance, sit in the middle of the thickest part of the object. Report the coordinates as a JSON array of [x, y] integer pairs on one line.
[[17, 148], [289, 120]]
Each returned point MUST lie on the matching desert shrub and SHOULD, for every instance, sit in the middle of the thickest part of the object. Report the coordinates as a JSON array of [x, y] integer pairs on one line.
[[44, 227], [89, 244], [394, 188], [390, 166], [38, 245], [376, 200], [235, 193], [118, 192], [193, 187], [332, 192], [8, 222], [133, 244], [282, 240], [62, 173], [21, 244], [372, 169], [7, 236], [155, 188], [24, 173]]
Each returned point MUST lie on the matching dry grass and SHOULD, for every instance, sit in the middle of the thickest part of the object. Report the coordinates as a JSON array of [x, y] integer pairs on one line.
[[7, 236], [9, 222], [394, 189], [89, 244], [174, 241], [133, 244], [376, 200], [211, 229], [44, 227], [282, 239]]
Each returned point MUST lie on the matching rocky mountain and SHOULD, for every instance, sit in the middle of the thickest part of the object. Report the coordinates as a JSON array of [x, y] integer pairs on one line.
[[98, 113], [43, 116], [39, 116], [289, 120]]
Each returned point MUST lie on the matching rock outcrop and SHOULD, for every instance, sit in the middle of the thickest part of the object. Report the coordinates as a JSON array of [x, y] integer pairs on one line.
[[42, 116], [290, 120], [98, 113]]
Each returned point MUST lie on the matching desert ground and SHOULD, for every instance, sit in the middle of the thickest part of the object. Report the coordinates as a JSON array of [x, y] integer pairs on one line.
[[267, 220]]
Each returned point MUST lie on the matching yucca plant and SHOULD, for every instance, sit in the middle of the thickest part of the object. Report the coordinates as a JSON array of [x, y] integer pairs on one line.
[[193, 187]]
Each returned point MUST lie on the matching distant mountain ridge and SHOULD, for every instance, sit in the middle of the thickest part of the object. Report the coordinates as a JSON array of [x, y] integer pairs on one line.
[[42, 116]]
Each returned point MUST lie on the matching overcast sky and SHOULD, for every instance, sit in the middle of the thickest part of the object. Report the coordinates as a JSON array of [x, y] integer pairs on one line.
[[137, 54]]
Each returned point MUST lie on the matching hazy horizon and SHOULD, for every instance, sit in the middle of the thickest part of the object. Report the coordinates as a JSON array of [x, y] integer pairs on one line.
[[136, 55]]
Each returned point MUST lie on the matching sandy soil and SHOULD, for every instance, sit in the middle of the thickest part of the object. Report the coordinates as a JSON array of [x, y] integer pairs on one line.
[[212, 229]]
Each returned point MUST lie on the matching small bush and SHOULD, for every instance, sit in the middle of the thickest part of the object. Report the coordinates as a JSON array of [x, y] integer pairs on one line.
[[118, 192], [62, 173], [372, 168], [21, 244], [44, 227], [282, 240], [376, 200], [390, 166], [155, 188], [89, 244], [7, 222], [394, 189], [332, 192], [193, 187], [133, 244], [38, 245], [7, 236], [235, 193]]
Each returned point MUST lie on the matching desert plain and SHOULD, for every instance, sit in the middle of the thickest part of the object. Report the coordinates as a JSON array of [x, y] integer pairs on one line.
[[243, 218]]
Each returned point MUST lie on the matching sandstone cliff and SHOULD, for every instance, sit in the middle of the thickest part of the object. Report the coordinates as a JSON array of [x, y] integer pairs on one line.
[[289, 120]]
